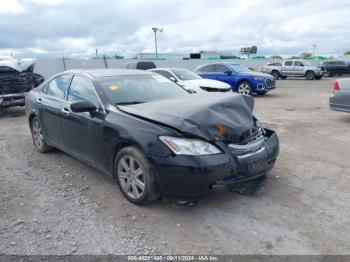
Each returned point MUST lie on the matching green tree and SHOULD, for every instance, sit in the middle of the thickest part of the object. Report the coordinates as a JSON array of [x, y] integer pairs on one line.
[[347, 52], [276, 57], [306, 55]]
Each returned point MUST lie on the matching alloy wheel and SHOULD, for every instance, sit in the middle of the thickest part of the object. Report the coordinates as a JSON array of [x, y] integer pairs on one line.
[[131, 176], [244, 89], [38, 136]]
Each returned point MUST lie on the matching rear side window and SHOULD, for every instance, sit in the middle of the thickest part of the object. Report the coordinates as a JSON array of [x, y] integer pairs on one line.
[[288, 63], [58, 86], [207, 68], [145, 65], [82, 89], [221, 68], [274, 64]]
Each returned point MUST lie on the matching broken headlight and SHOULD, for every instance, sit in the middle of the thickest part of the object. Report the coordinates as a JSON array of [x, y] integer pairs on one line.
[[188, 146]]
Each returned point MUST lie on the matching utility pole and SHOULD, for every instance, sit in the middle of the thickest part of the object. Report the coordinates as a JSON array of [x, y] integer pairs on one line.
[[314, 46], [155, 30]]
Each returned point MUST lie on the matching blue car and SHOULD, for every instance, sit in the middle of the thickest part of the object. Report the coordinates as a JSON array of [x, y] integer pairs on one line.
[[239, 77]]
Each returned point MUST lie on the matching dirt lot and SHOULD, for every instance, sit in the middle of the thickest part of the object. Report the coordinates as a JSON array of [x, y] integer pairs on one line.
[[54, 204]]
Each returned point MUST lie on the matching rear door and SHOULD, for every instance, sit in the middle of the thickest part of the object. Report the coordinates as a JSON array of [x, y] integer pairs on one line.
[[82, 131], [207, 71], [52, 101], [345, 67]]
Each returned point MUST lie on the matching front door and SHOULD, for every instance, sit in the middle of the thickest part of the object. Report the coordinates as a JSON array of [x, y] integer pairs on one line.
[[287, 68], [298, 68], [224, 74], [82, 131]]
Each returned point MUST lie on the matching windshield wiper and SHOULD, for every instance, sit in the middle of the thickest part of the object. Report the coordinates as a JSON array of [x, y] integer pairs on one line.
[[129, 103]]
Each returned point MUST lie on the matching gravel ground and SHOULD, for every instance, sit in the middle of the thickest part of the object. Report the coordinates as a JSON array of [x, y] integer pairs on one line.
[[54, 204]]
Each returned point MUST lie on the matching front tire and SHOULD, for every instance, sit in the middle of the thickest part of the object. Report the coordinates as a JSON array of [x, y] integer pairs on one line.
[[244, 88], [310, 75], [275, 74], [136, 177], [38, 136]]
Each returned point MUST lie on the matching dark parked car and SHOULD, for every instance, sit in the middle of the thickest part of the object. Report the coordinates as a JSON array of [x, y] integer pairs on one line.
[[340, 98], [150, 134], [16, 79], [140, 65], [336, 68]]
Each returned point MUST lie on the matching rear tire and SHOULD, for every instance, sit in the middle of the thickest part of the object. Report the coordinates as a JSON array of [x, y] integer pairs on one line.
[[136, 176], [310, 75], [38, 136]]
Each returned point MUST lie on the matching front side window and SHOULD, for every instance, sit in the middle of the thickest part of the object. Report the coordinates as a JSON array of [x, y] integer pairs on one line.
[[82, 89], [221, 68], [136, 89], [207, 68], [58, 86], [298, 63]]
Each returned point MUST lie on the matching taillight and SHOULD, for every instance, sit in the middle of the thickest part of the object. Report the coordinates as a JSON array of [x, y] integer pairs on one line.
[[336, 85]]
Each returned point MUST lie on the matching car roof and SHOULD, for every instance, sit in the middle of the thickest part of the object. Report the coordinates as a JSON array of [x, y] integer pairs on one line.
[[220, 63], [168, 68], [96, 73]]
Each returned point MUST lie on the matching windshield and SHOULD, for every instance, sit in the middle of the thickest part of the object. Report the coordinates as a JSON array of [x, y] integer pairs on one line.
[[240, 68], [135, 89], [185, 74]]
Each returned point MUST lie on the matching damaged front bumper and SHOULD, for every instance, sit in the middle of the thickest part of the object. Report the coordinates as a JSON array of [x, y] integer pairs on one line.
[[192, 178], [8, 100]]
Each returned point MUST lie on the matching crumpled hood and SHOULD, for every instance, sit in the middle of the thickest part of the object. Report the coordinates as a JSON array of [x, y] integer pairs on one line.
[[200, 114], [207, 83]]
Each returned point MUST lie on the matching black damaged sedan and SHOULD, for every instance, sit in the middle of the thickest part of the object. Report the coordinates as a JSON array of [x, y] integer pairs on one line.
[[149, 134]]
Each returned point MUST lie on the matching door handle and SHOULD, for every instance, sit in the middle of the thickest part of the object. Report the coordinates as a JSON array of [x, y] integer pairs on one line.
[[39, 101], [65, 111]]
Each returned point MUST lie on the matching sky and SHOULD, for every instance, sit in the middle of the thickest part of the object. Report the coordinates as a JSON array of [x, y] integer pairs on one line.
[[75, 28]]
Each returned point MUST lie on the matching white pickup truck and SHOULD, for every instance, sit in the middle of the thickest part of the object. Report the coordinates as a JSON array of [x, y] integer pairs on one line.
[[297, 68]]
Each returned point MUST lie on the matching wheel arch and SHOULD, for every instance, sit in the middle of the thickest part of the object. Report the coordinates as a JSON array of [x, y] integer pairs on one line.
[[119, 146], [309, 70], [32, 115]]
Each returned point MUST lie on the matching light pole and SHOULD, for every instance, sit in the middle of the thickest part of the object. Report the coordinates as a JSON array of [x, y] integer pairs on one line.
[[155, 30], [314, 46]]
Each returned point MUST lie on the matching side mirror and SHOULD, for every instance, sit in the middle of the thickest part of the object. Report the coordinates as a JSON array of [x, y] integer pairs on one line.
[[228, 72], [173, 79], [83, 106]]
